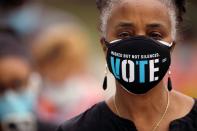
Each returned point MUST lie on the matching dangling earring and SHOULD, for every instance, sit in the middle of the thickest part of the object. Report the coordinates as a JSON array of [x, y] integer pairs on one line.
[[105, 79], [169, 81]]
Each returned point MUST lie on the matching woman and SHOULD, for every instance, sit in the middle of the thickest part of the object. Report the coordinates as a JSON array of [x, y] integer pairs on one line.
[[17, 97], [138, 37], [60, 60]]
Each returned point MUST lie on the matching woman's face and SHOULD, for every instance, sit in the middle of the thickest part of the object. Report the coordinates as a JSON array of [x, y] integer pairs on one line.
[[139, 17]]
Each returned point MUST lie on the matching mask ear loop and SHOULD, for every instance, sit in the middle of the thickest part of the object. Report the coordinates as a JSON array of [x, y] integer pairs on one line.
[[106, 43]]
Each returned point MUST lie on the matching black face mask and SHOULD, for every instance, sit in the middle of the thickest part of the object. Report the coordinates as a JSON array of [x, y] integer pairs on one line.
[[138, 63]]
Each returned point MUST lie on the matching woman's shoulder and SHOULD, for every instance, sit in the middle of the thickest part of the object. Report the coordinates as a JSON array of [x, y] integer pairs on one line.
[[88, 120], [186, 108]]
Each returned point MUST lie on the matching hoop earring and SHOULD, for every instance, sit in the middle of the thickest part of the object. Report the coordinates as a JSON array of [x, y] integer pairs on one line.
[[105, 78]]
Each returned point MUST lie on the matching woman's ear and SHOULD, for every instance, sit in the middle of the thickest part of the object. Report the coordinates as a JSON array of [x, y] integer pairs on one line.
[[173, 46], [102, 41]]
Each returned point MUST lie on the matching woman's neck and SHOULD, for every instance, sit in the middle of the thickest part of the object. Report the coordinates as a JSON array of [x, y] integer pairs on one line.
[[146, 106]]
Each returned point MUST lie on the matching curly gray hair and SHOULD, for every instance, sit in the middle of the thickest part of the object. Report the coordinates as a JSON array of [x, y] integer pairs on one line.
[[176, 11]]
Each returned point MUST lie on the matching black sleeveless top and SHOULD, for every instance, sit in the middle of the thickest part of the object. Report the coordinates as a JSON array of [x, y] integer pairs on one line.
[[101, 118]]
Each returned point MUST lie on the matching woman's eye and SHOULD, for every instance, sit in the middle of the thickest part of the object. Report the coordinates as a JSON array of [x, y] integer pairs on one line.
[[156, 35], [124, 35]]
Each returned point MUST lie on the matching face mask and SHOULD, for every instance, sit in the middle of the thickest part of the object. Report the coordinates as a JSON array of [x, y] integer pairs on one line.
[[16, 111], [138, 63]]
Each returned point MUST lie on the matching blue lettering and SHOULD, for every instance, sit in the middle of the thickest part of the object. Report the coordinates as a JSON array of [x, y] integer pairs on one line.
[[115, 67], [142, 70]]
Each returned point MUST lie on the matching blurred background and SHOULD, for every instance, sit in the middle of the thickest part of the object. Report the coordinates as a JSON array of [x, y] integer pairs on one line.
[[52, 65]]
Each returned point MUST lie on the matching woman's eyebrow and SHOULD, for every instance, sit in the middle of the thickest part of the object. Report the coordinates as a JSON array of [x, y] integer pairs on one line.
[[125, 24], [155, 25]]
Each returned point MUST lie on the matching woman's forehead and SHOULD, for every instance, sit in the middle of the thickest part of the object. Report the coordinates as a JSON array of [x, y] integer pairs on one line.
[[148, 4], [140, 12]]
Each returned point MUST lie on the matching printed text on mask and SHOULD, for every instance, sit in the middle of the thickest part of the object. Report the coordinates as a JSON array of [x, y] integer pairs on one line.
[[128, 69]]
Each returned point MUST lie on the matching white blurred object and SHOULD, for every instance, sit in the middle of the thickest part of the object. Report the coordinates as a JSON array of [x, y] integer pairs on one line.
[[16, 122]]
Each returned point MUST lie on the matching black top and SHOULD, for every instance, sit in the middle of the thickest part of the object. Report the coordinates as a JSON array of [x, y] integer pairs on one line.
[[101, 118]]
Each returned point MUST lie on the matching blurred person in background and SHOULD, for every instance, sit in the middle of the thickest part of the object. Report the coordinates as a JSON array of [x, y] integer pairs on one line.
[[19, 14], [61, 56], [65, 87], [16, 99]]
